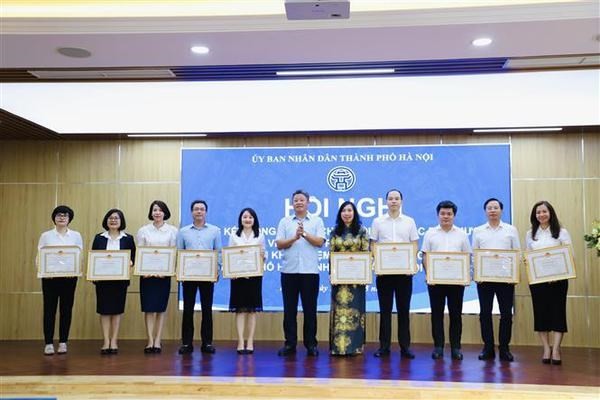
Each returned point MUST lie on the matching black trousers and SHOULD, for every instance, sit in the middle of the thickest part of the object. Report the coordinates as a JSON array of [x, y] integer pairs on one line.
[[388, 287], [505, 293], [206, 301], [305, 286], [437, 299], [55, 291], [550, 306]]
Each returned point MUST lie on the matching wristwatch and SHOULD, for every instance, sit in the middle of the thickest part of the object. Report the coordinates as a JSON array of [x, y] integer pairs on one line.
[[304, 235]]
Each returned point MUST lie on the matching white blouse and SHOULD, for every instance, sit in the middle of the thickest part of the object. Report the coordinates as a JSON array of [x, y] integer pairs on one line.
[[54, 238], [544, 239], [149, 235], [113, 244], [243, 240]]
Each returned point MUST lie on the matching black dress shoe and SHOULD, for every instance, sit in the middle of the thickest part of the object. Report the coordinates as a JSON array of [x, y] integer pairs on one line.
[[157, 350], [438, 353], [208, 349], [186, 349], [286, 351], [249, 351], [487, 355], [456, 354], [148, 350], [113, 351], [105, 352], [312, 352], [506, 355], [382, 353], [406, 353], [545, 361], [555, 362], [241, 351]]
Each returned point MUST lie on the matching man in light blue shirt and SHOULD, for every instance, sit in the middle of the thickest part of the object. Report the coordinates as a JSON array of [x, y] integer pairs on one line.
[[198, 236], [300, 236]]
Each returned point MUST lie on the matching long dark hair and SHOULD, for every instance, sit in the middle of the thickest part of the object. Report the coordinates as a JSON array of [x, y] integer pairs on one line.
[[535, 224], [255, 226], [340, 226]]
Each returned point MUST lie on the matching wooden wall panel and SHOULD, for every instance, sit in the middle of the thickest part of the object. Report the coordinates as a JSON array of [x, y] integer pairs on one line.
[[591, 155], [88, 161], [150, 161], [41, 165], [553, 155], [27, 213], [93, 176]]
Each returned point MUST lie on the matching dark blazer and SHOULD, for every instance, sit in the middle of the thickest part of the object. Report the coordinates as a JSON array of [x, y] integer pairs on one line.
[[125, 243]]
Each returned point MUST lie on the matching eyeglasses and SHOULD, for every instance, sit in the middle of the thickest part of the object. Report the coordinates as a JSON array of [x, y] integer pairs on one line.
[[114, 218], [62, 215]]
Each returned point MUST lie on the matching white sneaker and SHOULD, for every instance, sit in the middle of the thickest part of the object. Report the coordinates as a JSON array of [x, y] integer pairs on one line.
[[62, 348], [49, 350]]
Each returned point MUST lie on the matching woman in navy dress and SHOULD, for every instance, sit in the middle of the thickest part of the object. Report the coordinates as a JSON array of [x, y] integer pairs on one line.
[[246, 293], [111, 295], [154, 290]]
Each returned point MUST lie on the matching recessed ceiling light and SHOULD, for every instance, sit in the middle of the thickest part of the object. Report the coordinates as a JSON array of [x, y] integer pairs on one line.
[[168, 135], [199, 49], [541, 129], [479, 42], [74, 52], [311, 72]]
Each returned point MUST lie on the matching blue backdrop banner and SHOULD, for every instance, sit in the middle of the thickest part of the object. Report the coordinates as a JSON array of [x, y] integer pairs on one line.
[[265, 178]]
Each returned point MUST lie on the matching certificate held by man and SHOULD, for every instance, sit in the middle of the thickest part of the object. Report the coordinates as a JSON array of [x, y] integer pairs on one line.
[[108, 265], [448, 268], [59, 261], [242, 261], [155, 261], [395, 258], [494, 265], [197, 265], [351, 268]]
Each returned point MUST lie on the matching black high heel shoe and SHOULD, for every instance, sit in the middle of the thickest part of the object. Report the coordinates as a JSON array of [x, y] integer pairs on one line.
[[546, 360], [555, 362]]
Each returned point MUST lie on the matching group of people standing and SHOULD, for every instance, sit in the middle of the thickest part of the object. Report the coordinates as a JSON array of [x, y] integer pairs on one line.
[[300, 236]]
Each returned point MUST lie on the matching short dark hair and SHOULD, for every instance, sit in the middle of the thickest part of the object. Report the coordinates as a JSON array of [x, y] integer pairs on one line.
[[194, 202], [302, 192], [121, 216], [63, 210], [493, 199], [393, 190], [446, 204], [255, 226], [163, 207]]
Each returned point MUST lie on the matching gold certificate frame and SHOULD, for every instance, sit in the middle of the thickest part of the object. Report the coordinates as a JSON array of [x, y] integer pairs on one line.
[[59, 262], [108, 265], [494, 265], [197, 265], [550, 264], [395, 258], [351, 268], [242, 261], [157, 261], [448, 268]]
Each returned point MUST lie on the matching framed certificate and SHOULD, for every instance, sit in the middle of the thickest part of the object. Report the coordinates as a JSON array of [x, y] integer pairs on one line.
[[59, 261], [108, 265], [350, 268], [197, 265], [242, 261], [395, 258], [493, 265], [448, 268], [550, 264], [155, 261]]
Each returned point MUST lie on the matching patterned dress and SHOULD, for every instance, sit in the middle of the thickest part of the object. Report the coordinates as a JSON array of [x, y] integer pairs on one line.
[[348, 302]]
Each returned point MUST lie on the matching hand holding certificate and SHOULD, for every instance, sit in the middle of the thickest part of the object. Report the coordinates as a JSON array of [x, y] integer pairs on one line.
[[155, 261], [242, 261], [492, 265], [448, 268], [351, 268], [197, 265], [59, 261], [110, 265], [550, 264]]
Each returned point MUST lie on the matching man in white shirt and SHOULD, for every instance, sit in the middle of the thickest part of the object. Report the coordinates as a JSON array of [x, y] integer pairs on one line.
[[399, 228], [495, 234], [300, 236], [446, 237]]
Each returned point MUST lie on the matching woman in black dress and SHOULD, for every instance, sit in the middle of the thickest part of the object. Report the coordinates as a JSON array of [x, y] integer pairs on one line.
[[246, 293], [110, 295]]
